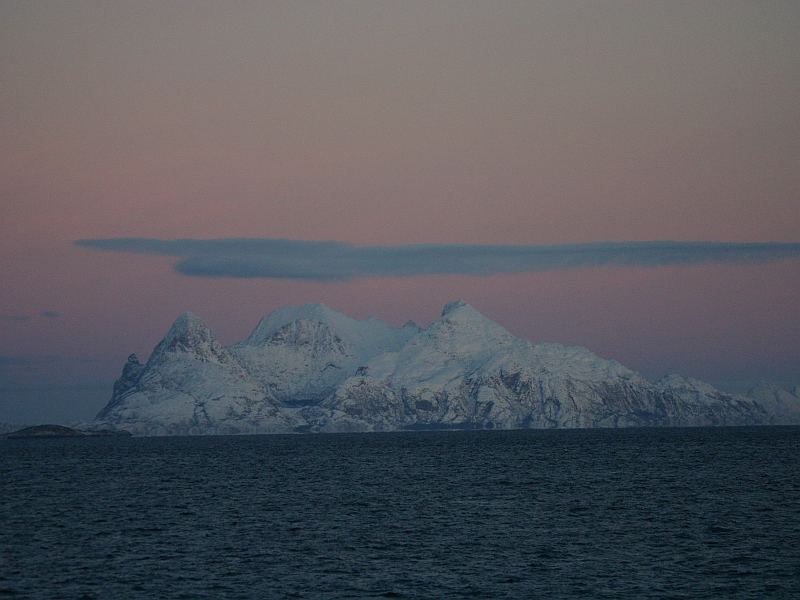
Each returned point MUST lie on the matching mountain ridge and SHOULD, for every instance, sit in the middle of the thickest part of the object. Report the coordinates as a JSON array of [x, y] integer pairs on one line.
[[311, 369]]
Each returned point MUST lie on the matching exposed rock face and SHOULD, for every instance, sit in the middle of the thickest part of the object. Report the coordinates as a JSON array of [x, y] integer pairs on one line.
[[130, 375], [310, 368], [300, 362]]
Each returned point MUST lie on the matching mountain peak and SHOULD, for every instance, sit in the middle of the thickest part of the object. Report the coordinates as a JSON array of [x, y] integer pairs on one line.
[[186, 322], [314, 309], [272, 322], [371, 333], [460, 313], [188, 333], [465, 329], [454, 305], [187, 329]]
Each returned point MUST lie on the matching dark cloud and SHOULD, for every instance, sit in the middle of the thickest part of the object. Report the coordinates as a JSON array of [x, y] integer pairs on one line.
[[337, 261], [50, 314]]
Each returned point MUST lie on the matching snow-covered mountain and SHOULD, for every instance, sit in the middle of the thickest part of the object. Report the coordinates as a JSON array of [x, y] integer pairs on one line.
[[310, 368], [299, 354], [782, 404]]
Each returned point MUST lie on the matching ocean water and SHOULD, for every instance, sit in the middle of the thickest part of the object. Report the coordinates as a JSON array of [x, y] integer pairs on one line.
[[637, 513]]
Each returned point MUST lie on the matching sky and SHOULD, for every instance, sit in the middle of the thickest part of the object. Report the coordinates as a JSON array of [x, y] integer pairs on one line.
[[345, 152]]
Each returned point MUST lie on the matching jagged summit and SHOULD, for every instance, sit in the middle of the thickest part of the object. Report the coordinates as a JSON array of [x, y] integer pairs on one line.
[[189, 335], [453, 305], [459, 311], [186, 325]]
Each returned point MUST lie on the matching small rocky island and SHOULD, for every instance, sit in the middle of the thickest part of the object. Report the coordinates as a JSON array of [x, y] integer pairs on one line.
[[60, 431]]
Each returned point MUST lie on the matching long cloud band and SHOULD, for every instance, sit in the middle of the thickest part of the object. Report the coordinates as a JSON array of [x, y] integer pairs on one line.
[[337, 261]]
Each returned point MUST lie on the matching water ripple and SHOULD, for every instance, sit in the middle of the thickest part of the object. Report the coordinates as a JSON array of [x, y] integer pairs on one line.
[[679, 513]]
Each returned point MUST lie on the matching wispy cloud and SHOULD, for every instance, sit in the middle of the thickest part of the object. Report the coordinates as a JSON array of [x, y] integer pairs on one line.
[[50, 314], [337, 261]]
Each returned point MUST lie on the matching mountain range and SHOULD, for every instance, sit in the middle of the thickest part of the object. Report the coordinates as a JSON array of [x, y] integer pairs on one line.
[[311, 369]]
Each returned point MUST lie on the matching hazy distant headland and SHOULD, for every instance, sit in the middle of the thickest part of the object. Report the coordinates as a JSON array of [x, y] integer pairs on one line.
[[61, 431]]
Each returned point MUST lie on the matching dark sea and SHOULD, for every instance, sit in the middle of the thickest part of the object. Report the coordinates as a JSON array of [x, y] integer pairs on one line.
[[635, 513]]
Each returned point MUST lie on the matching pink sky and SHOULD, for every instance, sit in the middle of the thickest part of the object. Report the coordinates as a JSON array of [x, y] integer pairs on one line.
[[396, 123]]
